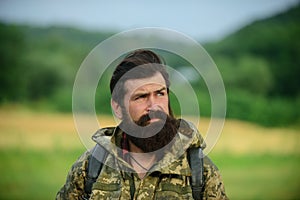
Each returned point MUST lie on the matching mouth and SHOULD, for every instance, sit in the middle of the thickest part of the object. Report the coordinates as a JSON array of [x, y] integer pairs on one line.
[[150, 121], [151, 117], [153, 120]]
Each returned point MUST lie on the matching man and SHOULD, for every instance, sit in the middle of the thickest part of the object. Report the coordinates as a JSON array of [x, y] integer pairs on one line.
[[148, 152]]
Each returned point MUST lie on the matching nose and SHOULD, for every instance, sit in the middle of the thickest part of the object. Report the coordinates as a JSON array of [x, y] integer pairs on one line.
[[152, 104]]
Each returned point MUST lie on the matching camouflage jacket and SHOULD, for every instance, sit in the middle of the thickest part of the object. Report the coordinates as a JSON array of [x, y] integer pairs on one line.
[[168, 178]]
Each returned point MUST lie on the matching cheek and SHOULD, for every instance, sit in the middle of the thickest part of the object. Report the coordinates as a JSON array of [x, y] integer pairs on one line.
[[135, 111], [165, 105]]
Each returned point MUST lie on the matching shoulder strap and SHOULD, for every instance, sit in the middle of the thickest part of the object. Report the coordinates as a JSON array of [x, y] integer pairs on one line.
[[195, 157], [95, 165], [99, 154]]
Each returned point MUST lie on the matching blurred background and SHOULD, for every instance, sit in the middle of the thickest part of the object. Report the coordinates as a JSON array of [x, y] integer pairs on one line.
[[255, 45]]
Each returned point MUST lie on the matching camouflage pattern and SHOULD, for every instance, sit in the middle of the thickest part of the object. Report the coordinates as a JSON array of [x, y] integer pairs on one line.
[[168, 178]]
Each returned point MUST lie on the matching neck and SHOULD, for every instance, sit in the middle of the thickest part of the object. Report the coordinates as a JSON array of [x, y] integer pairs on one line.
[[140, 161]]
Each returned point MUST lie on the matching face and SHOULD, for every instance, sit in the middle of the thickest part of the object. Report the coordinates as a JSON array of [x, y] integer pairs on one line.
[[141, 97], [145, 95]]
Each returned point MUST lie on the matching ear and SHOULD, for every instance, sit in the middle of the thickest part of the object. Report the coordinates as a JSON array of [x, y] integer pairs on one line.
[[117, 109]]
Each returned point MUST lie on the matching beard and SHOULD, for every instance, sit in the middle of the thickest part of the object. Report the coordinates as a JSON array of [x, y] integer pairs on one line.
[[150, 137]]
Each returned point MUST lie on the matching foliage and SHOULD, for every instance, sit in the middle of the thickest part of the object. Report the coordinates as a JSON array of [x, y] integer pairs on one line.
[[263, 110], [275, 41], [259, 64], [11, 81]]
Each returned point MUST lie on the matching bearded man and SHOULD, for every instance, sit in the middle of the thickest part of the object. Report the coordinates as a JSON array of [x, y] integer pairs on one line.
[[148, 151]]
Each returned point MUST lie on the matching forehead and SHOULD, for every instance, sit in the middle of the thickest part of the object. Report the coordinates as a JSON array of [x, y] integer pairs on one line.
[[132, 85]]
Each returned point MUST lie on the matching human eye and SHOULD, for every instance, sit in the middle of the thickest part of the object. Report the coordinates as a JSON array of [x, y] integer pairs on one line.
[[161, 93]]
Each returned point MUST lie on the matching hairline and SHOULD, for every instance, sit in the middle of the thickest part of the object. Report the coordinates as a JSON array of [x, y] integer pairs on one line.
[[164, 86]]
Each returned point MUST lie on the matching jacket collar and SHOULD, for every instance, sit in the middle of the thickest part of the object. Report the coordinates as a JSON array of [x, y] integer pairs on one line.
[[173, 162]]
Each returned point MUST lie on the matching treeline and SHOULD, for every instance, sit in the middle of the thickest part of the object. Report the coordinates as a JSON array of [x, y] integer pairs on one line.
[[260, 66]]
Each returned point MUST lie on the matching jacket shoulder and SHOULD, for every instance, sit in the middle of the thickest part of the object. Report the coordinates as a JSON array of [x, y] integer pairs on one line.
[[214, 186]]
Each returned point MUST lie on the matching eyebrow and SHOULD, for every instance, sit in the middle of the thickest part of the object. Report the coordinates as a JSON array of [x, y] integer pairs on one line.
[[147, 93], [163, 88]]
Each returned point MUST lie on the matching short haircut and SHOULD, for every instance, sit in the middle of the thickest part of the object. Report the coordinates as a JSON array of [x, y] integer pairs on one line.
[[148, 64]]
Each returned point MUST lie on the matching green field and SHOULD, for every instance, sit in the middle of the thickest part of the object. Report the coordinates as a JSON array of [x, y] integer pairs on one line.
[[37, 150]]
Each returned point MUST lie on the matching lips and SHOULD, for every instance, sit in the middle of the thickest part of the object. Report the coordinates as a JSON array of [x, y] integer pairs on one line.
[[152, 116]]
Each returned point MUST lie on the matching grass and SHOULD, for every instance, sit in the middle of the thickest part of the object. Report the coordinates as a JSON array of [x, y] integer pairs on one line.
[[260, 176], [33, 174], [38, 149]]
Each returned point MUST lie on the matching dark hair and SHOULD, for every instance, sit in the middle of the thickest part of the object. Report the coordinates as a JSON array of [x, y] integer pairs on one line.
[[147, 61]]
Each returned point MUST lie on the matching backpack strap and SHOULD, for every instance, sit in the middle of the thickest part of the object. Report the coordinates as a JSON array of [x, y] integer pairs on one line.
[[99, 154], [95, 165], [195, 158]]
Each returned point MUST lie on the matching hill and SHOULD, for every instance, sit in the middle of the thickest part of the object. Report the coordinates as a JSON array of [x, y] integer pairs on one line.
[[274, 41], [259, 65]]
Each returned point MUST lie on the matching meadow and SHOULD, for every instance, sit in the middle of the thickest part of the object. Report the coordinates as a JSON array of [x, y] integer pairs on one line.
[[37, 149]]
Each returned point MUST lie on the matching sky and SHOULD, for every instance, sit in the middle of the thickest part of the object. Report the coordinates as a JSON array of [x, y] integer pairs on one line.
[[199, 19]]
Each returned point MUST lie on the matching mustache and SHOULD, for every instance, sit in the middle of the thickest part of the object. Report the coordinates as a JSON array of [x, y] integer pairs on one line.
[[151, 137], [142, 128], [157, 114]]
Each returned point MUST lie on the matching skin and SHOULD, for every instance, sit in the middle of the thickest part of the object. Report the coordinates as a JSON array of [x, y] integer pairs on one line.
[[142, 96]]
